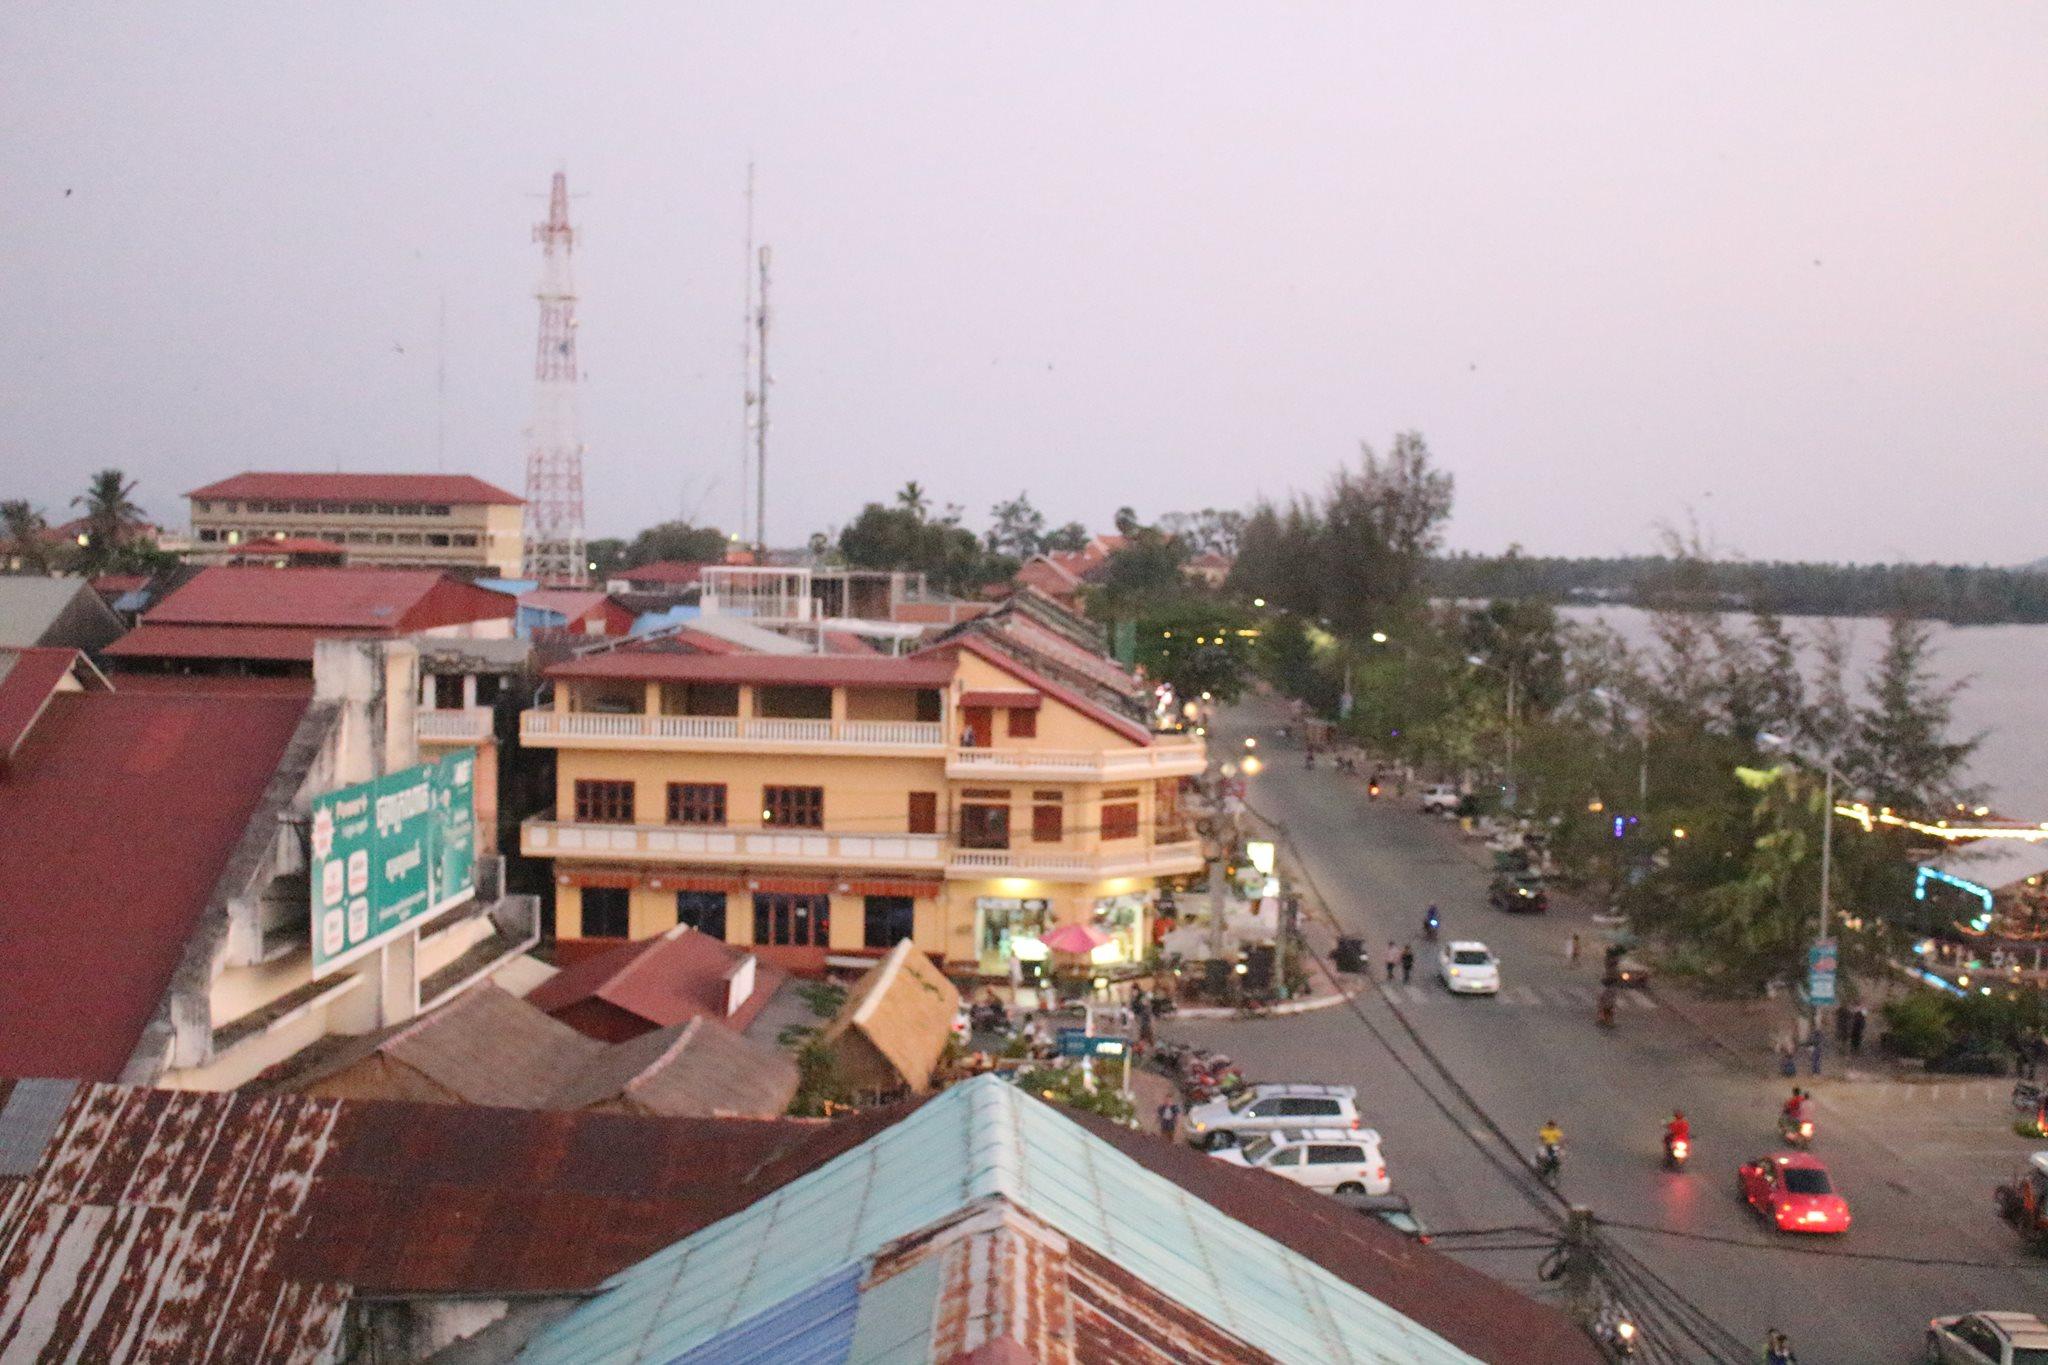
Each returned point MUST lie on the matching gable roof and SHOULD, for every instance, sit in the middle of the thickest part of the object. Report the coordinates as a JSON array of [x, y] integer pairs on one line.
[[669, 979], [698, 1069], [380, 601], [970, 640], [28, 679], [448, 488], [904, 1007], [984, 1151], [121, 811], [62, 612], [486, 1046]]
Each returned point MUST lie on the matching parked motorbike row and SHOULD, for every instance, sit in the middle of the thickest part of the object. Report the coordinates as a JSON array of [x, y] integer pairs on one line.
[[1201, 1073]]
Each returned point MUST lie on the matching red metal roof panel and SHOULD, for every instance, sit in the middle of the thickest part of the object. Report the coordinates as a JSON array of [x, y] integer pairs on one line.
[[121, 811], [449, 488], [383, 600], [665, 981], [275, 644], [28, 679]]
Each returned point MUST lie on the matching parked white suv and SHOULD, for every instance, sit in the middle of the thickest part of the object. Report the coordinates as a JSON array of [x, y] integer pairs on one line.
[[1262, 1108], [1333, 1160], [1440, 798], [1468, 967]]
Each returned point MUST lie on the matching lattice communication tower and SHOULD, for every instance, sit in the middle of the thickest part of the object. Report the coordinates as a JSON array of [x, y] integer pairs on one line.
[[554, 454]]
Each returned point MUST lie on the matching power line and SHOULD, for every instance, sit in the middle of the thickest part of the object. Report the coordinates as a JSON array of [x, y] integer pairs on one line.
[[1954, 1261]]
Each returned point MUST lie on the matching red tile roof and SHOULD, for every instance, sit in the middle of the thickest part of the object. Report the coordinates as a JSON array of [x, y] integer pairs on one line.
[[818, 670], [662, 571], [383, 601], [448, 488], [121, 812], [573, 604], [114, 584], [276, 644], [666, 980]]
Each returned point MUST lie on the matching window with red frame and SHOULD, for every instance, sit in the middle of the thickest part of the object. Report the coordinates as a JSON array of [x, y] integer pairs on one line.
[[1023, 723], [1120, 820], [604, 803], [924, 812], [792, 921]]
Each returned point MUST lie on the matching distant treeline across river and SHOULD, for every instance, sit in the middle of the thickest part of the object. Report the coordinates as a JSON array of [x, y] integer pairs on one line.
[[1958, 594]]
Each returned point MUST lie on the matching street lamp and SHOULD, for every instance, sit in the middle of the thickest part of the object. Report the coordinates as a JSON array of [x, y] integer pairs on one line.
[[1510, 673], [1617, 702], [1827, 848]]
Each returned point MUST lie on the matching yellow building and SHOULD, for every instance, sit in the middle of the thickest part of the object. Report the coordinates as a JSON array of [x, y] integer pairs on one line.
[[814, 804], [438, 521]]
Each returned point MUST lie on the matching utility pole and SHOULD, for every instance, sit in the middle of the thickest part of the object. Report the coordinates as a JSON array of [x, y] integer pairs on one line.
[[761, 382], [747, 367], [1581, 1255]]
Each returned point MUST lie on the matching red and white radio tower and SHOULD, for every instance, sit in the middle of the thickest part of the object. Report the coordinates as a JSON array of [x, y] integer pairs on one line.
[[554, 454]]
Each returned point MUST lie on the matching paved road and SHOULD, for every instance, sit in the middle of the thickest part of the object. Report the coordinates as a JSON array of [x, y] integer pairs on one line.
[[1917, 1173]]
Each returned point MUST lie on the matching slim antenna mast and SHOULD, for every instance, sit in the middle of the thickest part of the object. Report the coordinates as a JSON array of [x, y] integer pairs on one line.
[[761, 382], [747, 365], [441, 390]]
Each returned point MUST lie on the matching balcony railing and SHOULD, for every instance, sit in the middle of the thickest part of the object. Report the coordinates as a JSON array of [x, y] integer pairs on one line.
[[1165, 759], [1116, 860], [715, 843], [543, 726], [470, 725]]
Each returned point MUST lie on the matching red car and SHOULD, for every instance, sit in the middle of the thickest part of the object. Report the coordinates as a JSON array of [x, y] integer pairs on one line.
[[1793, 1191]]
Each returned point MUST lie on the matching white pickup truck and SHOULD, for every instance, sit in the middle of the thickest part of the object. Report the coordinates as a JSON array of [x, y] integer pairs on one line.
[[1440, 798]]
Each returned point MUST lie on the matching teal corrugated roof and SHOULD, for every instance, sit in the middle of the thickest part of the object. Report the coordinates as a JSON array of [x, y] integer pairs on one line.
[[980, 1139]]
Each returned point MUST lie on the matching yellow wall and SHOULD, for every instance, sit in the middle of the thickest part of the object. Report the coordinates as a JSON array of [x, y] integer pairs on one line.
[[654, 912], [1059, 726], [862, 795]]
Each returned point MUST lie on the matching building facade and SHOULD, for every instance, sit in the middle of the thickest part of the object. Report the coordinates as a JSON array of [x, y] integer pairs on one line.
[[441, 521], [819, 805]]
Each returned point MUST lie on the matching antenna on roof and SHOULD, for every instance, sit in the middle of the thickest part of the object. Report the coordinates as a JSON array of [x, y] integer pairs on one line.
[[747, 365]]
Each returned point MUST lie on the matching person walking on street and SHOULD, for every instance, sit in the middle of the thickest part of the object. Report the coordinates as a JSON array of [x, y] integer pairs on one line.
[[1571, 949], [1169, 1119], [1393, 960], [1407, 962], [1858, 1021]]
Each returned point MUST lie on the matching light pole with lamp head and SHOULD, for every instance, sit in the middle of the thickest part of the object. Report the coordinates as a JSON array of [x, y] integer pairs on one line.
[[1827, 849]]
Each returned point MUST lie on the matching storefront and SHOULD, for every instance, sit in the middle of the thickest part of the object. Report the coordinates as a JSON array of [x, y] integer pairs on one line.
[[1009, 928]]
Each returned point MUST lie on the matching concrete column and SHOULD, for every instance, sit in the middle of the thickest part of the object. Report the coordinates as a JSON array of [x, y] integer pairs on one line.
[[838, 706], [652, 704], [469, 691]]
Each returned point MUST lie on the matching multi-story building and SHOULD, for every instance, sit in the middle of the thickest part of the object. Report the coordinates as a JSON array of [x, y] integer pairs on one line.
[[440, 521], [808, 805]]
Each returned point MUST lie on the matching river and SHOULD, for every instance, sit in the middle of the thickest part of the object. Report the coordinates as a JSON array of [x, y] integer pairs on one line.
[[2004, 672]]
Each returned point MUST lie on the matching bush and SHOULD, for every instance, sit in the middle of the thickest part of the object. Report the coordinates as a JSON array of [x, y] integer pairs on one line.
[[1063, 1085], [1919, 1025]]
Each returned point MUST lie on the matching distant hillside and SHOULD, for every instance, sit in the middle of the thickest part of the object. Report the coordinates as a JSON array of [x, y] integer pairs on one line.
[[1958, 594]]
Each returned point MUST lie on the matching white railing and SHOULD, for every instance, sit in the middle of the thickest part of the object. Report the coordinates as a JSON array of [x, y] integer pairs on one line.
[[1160, 759], [684, 843], [470, 725], [1158, 859], [542, 724]]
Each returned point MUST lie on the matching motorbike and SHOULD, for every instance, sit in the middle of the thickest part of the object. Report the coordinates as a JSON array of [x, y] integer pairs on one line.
[[1431, 923], [1372, 791], [1677, 1151], [1604, 1014], [1549, 1165], [1798, 1134]]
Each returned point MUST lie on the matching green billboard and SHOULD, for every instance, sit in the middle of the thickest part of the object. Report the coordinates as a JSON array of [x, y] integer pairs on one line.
[[389, 852]]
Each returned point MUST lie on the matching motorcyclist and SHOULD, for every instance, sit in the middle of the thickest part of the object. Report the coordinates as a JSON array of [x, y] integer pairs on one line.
[[1608, 999], [1431, 922], [1798, 1111], [1678, 1130], [1550, 1142]]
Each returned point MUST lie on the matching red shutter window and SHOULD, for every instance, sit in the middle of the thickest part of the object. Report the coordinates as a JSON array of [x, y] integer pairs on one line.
[[924, 812], [1048, 824], [696, 803], [604, 803], [1120, 820], [1023, 724], [793, 807]]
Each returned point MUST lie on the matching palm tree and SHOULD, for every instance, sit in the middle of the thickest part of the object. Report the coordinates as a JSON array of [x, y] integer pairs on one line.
[[912, 499], [28, 531], [109, 516]]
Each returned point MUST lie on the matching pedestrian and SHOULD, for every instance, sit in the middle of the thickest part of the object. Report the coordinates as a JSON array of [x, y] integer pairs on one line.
[[1571, 949], [1407, 962], [1169, 1119], [1859, 1020], [1393, 960], [1778, 1349], [1788, 1056]]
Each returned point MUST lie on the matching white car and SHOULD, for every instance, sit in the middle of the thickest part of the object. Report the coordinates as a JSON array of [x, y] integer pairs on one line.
[[1468, 967], [1333, 1160], [1264, 1107], [1440, 798], [1989, 1339]]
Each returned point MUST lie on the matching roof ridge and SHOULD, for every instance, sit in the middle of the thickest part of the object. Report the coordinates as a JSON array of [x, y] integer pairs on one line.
[[684, 1037]]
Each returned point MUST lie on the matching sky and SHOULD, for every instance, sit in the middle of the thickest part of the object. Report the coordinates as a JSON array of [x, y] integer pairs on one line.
[[1778, 270]]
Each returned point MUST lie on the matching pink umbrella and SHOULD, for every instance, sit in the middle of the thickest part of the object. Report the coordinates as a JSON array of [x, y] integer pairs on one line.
[[1074, 938]]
